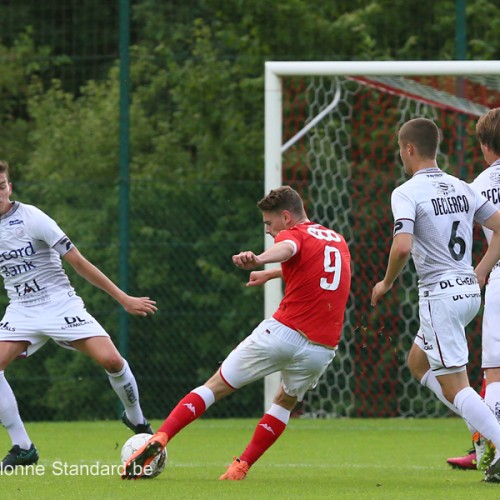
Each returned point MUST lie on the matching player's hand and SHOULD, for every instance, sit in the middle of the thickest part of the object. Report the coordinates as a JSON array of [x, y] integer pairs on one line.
[[139, 306], [246, 260], [482, 280], [258, 278], [379, 290]]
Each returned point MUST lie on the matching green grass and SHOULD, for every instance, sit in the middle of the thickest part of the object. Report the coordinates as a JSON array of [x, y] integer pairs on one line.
[[314, 459]]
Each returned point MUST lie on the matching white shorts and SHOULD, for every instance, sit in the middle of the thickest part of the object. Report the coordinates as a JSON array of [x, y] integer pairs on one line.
[[62, 321], [274, 347], [491, 325], [442, 331]]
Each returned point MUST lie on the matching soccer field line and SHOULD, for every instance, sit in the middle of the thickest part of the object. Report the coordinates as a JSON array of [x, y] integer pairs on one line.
[[197, 465]]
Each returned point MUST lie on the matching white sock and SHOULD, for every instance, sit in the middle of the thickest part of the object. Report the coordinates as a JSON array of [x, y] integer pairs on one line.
[[473, 408], [492, 398], [280, 413], [125, 386], [430, 381], [9, 415], [206, 394]]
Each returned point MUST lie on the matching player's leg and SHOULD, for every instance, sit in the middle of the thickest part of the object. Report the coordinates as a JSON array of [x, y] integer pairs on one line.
[[448, 357], [254, 351], [491, 345], [444, 318], [490, 364], [492, 393], [23, 451], [480, 447], [192, 406], [196, 403], [270, 427], [307, 362], [418, 364], [441, 338], [474, 410], [120, 376], [482, 452]]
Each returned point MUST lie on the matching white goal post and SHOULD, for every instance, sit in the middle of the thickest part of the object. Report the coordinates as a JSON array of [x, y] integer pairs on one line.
[[275, 71]]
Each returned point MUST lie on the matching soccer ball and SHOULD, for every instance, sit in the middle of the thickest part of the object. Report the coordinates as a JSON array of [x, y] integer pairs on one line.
[[138, 441]]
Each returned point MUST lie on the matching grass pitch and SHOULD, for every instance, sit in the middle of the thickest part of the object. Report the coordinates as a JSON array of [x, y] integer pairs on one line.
[[314, 459]]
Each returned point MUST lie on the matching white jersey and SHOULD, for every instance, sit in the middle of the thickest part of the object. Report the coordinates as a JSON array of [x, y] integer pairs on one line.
[[488, 184], [31, 246], [439, 210]]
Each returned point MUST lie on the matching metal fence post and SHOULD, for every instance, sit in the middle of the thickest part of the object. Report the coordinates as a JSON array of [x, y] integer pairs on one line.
[[124, 156]]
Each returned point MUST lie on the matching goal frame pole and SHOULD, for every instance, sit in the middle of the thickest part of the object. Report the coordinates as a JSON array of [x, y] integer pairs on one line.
[[274, 71]]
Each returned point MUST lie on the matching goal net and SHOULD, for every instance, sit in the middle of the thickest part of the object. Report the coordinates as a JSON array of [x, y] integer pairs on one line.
[[331, 134]]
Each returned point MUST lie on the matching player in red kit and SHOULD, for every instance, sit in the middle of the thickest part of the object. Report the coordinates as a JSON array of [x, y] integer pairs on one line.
[[299, 341]]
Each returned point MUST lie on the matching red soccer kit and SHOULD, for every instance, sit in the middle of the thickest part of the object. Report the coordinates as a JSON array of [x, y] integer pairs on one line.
[[317, 283]]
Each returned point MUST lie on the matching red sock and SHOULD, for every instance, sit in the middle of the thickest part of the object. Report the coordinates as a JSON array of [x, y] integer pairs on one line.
[[268, 430], [483, 388], [188, 409]]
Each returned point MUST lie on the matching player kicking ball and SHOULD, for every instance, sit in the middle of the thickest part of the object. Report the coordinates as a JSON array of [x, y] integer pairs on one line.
[[299, 341]]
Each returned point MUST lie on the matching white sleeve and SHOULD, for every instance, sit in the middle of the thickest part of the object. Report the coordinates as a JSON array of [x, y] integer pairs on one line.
[[404, 212], [46, 229]]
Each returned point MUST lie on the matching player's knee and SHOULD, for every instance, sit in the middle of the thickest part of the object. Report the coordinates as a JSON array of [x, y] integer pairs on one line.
[[417, 364], [449, 393], [219, 386], [113, 363], [416, 371], [284, 400]]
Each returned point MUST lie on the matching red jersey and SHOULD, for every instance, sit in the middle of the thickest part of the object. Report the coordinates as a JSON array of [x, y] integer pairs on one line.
[[317, 283]]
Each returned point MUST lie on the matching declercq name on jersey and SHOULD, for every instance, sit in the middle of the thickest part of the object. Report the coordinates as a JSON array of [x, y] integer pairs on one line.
[[450, 205], [492, 195]]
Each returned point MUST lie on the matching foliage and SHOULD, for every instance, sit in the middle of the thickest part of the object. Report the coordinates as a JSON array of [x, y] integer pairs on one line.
[[21, 63]]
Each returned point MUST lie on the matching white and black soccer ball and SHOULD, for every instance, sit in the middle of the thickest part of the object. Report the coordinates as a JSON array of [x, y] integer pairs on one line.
[[138, 441]]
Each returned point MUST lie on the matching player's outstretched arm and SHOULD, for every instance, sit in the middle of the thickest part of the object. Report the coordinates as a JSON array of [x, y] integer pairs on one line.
[[141, 306], [258, 278], [279, 252], [398, 257]]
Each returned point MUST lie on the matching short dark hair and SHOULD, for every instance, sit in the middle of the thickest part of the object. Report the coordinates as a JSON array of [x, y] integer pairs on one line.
[[488, 130], [423, 134], [4, 169], [282, 198]]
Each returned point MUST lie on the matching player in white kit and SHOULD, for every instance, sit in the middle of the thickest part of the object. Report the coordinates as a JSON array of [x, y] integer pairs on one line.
[[43, 305], [434, 215], [488, 184]]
